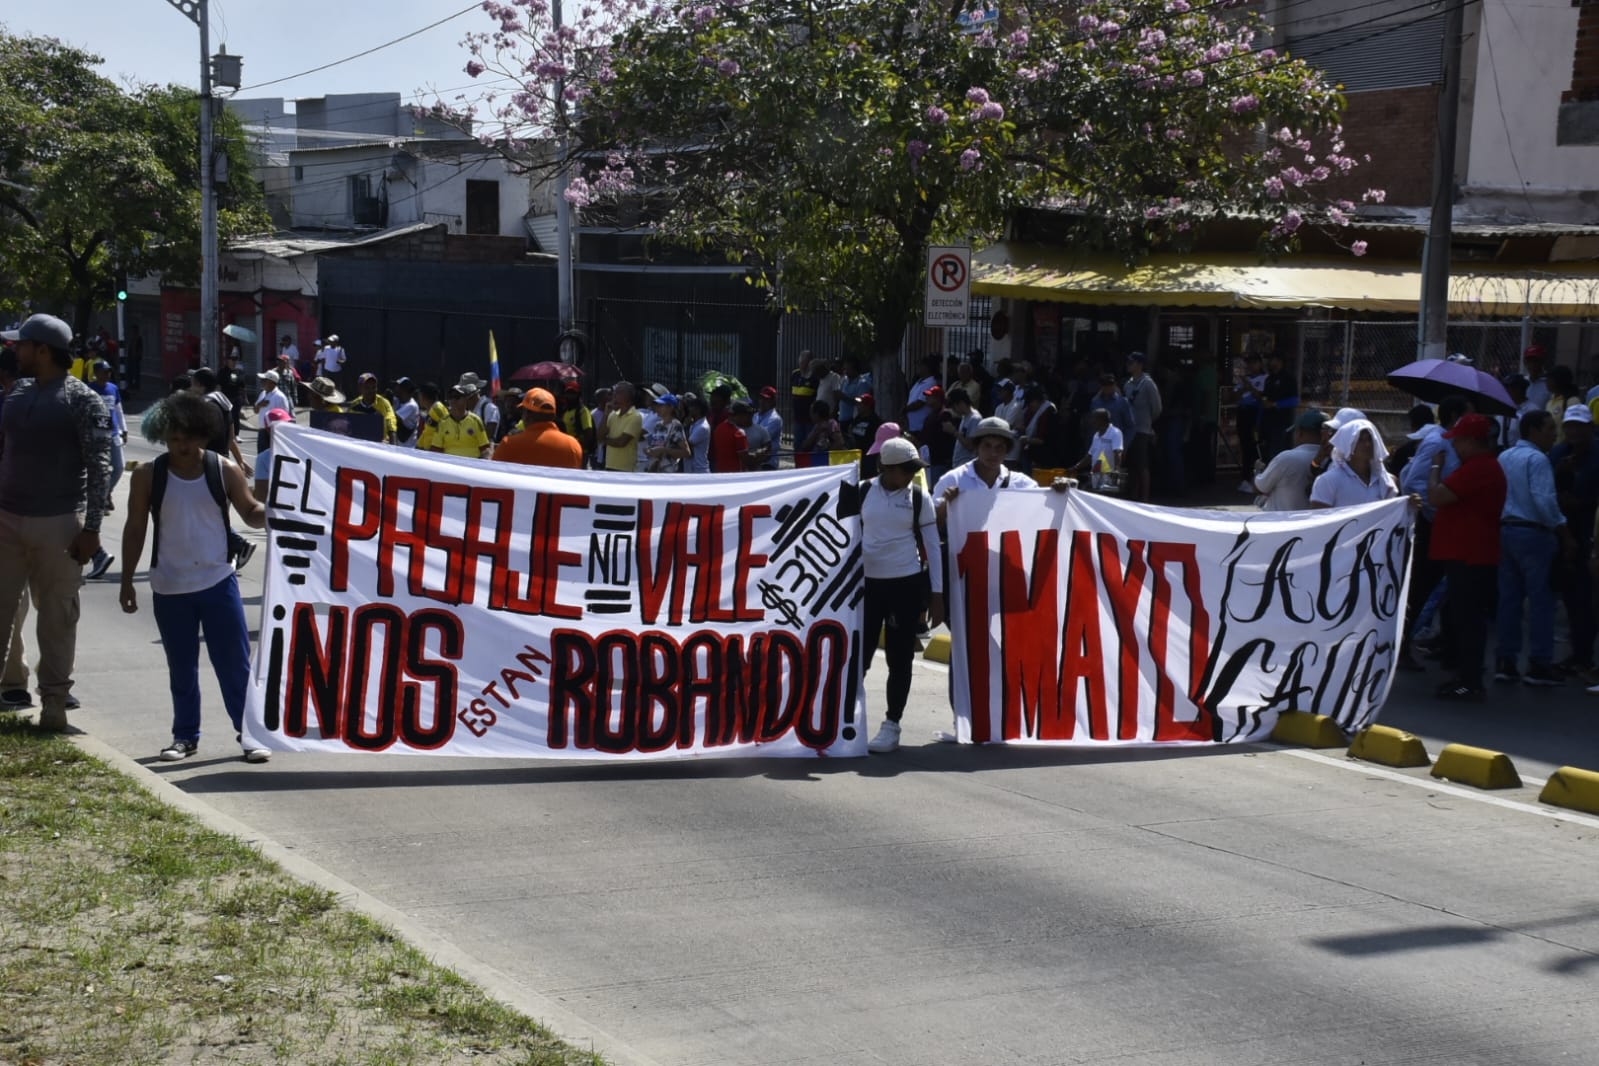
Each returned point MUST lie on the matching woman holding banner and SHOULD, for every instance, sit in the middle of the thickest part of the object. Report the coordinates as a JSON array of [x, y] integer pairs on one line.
[[1356, 475], [898, 532]]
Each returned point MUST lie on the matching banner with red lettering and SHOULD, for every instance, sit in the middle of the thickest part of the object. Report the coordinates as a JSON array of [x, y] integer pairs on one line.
[[420, 604], [1082, 619]]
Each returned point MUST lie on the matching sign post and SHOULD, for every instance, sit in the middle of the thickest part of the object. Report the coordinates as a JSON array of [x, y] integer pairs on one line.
[[949, 286]]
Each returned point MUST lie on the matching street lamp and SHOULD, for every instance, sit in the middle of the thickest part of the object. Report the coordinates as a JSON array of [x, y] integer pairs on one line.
[[223, 70]]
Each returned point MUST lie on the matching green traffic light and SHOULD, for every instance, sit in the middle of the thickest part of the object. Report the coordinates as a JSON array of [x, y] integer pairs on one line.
[[122, 294]]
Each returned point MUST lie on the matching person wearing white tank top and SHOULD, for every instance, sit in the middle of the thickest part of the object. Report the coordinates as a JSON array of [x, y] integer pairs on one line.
[[193, 585]]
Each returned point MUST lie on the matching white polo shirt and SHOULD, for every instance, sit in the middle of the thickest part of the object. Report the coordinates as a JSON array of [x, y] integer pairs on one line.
[[1340, 486], [888, 537], [966, 478]]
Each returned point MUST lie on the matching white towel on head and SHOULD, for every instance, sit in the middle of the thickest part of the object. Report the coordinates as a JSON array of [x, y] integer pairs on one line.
[[1343, 442]]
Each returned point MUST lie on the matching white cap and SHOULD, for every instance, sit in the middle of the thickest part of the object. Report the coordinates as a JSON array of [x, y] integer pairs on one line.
[[897, 452], [1344, 416], [1578, 412], [269, 375]]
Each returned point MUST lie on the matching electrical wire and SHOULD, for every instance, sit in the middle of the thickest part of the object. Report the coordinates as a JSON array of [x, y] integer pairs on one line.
[[1499, 98], [367, 52]]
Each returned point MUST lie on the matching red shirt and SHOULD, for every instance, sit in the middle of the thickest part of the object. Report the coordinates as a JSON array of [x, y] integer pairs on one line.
[[1467, 531], [728, 445]]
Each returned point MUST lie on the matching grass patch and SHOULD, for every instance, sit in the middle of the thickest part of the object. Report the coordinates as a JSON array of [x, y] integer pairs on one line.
[[130, 934]]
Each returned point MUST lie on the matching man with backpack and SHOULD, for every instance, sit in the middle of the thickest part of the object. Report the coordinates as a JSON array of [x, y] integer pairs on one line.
[[899, 527]]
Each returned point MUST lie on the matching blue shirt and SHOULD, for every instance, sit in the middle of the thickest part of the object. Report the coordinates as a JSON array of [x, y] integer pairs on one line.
[[1413, 478], [1531, 487]]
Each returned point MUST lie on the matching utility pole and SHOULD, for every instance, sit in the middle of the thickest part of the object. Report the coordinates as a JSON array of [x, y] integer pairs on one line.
[[563, 209], [198, 12], [1435, 275]]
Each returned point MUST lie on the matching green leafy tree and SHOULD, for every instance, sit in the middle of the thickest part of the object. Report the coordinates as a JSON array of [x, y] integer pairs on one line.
[[826, 144], [96, 181]]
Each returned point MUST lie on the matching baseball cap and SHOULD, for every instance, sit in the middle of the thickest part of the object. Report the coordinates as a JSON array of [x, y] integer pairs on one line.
[[404, 383], [333, 338], [1577, 412], [1534, 351], [769, 393], [934, 393], [1514, 381], [1345, 416], [101, 364], [1482, 427], [899, 452], [664, 399], [539, 401], [276, 414], [867, 397], [885, 433], [42, 329], [1004, 383], [269, 375], [364, 378], [1312, 420]]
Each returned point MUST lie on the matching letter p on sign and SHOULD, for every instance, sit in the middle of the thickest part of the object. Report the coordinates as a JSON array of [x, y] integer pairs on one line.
[[949, 285]]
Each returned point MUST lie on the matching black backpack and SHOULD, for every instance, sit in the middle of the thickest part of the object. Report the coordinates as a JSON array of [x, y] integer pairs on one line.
[[158, 492], [917, 496]]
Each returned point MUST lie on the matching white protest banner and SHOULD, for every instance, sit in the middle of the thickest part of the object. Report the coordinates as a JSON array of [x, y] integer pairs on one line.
[[420, 604], [1081, 619]]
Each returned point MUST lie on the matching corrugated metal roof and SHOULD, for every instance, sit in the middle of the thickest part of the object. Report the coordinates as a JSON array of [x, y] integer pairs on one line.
[[288, 244], [1361, 58]]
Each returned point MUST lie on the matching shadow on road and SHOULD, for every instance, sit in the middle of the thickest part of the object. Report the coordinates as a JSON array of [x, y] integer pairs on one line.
[[940, 759]]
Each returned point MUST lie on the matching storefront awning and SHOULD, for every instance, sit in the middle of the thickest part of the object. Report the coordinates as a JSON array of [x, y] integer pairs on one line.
[[1035, 272]]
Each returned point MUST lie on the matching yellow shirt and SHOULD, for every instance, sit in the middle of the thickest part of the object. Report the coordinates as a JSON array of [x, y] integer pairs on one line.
[[632, 423], [430, 424], [466, 437], [381, 406]]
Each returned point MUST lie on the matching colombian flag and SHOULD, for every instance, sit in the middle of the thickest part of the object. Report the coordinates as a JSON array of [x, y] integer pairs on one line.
[[494, 367]]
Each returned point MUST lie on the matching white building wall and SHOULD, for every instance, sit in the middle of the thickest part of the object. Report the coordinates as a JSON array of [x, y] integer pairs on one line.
[[422, 190], [1528, 46]]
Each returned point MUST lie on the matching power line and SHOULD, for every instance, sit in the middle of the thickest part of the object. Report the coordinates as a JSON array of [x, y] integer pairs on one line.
[[367, 52]]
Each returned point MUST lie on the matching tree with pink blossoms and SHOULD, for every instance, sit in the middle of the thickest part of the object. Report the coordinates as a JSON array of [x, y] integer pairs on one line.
[[825, 145]]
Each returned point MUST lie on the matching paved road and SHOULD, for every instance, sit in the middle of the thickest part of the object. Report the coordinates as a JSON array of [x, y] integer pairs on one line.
[[946, 905]]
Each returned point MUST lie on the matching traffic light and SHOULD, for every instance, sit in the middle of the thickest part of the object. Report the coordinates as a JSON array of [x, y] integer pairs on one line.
[[122, 295]]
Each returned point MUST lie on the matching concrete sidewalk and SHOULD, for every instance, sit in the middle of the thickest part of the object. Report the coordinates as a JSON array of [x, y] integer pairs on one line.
[[939, 905]]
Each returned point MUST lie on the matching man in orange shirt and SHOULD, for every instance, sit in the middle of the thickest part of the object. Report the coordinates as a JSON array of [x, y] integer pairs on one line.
[[541, 441]]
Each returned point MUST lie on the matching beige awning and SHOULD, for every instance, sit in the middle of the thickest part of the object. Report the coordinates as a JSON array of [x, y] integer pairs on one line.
[[1037, 272]]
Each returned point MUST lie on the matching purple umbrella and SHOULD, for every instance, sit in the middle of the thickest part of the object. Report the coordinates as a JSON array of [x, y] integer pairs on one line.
[[1430, 380]]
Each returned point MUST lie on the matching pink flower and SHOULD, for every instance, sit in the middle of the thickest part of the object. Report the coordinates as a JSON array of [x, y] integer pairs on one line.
[[728, 67], [971, 159], [1375, 196], [1320, 174], [989, 112], [916, 149], [1087, 23], [577, 193], [1178, 7], [474, 68], [1019, 39], [977, 95], [1242, 105], [1274, 188], [1152, 212], [1111, 31], [1292, 221], [937, 115], [1358, 248], [1193, 78]]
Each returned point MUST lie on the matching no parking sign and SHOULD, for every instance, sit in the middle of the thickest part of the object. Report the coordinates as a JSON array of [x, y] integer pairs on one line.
[[949, 285]]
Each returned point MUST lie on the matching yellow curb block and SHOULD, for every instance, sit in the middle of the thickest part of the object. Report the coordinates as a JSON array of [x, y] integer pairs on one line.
[[1389, 746], [938, 648], [1308, 730], [1477, 767], [1574, 789]]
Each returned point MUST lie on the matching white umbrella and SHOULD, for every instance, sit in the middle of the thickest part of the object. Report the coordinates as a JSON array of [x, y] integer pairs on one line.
[[239, 333]]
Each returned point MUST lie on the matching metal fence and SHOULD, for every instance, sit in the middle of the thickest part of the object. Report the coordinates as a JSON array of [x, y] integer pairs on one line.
[[1344, 363], [676, 343]]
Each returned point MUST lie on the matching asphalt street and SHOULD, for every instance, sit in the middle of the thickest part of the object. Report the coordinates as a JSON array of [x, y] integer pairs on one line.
[[947, 905]]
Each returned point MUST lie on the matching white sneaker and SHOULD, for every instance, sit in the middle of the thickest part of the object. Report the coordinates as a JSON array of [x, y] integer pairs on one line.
[[887, 738]]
